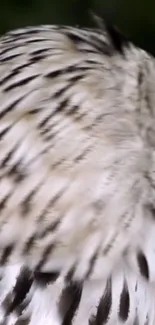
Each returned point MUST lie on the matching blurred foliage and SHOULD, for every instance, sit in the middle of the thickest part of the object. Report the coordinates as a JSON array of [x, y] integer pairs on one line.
[[135, 19]]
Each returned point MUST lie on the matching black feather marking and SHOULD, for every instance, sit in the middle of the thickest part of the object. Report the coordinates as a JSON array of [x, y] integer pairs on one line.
[[78, 159], [23, 321], [8, 156], [7, 302], [76, 39], [40, 51], [69, 302], [151, 208], [70, 274], [79, 117], [104, 307], [9, 76], [22, 287], [48, 250], [49, 205], [17, 173], [26, 204], [118, 40], [109, 245], [61, 106], [53, 74], [36, 40], [21, 82], [43, 278], [49, 229], [6, 254], [4, 201], [68, 70], [76, 78], [92, 264], [42, 125], [5, 131], [140, 77], [8, 58], [73, 110], [21, 67], [61, 91], [71, 69], [29, 244], [76, 69], [124, 303], [11, 107], [25, 32], [7, 50], [33, 111], [96, 45], [143, 265], [38, 58], [72, 80]]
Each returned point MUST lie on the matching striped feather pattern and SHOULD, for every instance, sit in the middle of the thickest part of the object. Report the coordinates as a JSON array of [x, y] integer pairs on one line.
[[77, 184]]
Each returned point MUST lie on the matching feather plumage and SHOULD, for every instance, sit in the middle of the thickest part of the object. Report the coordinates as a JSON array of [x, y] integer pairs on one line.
[[77, 183]]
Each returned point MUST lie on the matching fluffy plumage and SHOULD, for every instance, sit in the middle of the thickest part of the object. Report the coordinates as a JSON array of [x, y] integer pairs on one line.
[[77, 178]]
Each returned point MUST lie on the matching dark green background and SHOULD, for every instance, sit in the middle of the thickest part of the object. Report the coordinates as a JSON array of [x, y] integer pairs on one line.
[[135, 19]]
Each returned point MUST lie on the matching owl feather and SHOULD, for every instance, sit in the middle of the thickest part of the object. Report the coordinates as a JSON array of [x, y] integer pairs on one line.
[[77, 178]]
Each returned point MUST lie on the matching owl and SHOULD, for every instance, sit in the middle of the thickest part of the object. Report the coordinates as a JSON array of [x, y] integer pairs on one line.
[[77, 178]]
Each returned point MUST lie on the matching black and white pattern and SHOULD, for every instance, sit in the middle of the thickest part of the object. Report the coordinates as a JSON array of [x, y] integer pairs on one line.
[[77, 178]]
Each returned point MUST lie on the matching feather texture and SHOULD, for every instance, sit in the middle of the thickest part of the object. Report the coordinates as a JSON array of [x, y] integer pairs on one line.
[[77, 184]]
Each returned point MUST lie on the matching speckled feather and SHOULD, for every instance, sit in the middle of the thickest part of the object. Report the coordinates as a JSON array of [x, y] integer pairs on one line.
[[77, 178]]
